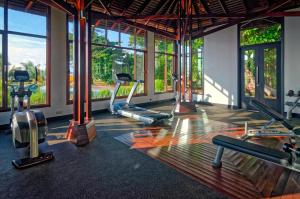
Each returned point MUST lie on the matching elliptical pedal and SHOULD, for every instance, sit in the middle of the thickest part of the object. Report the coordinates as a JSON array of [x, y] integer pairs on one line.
[[29, 162]]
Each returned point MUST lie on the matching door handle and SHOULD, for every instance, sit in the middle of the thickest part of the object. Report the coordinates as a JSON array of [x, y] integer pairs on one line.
[[257, 76]]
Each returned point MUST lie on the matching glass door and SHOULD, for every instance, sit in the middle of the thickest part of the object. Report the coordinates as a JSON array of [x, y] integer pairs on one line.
[[261, 74]]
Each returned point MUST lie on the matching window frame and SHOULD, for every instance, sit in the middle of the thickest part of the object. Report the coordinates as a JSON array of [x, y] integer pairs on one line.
[[119, 46], [5, 33], [166, 53]]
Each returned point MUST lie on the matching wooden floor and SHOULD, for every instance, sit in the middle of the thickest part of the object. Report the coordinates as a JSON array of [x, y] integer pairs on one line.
[[186, 146]]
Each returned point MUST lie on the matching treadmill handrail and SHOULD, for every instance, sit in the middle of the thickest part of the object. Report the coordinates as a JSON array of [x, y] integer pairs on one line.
[[113, 96], [134, 87]]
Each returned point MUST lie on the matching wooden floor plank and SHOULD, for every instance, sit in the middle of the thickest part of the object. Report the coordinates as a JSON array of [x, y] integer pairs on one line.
[[189, 149]]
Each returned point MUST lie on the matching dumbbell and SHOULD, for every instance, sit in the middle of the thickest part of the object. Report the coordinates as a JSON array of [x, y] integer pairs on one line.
[[291, 93], [288, 148]]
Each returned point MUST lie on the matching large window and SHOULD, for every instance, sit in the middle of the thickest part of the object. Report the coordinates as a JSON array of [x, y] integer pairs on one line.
[[26, 39], [165, 59], [115, 49]]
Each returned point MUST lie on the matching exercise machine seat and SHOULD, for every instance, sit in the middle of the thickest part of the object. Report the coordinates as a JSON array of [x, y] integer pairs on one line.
[[261, 152]]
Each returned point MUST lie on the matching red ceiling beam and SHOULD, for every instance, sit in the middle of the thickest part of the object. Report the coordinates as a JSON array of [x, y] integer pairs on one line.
[[60, 4], [275, 6], [201, 16]]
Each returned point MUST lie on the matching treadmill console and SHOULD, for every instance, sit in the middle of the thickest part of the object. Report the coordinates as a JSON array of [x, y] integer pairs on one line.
[[124, 77]]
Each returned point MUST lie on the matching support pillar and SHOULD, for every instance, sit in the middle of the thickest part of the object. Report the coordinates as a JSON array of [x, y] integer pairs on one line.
[[82, 128]]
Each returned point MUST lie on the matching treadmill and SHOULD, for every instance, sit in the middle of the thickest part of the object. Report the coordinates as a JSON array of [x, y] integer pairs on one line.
[[125, 108]]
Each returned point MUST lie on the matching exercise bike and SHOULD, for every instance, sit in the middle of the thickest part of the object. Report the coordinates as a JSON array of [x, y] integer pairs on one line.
[[29, 127]]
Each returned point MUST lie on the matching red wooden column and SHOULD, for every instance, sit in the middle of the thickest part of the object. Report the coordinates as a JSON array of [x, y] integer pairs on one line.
[[88, 73], [82, 128], [183, 105]]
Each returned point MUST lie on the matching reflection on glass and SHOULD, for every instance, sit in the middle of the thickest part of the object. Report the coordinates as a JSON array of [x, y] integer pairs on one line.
[[1, 77], [159, 83], [26, 22], [270, 77], [26, 53], [112, 38], [249, 73]]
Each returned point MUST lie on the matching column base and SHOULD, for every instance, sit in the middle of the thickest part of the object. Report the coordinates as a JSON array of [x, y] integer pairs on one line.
[[82, 134], [185, 107]]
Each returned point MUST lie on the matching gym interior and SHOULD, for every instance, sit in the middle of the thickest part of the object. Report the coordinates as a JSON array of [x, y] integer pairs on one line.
[[149, 99]]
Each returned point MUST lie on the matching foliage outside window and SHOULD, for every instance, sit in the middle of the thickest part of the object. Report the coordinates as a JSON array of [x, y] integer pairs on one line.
[[26, 34], [197, 66], [260, 35], [115, 49], [165, 58]]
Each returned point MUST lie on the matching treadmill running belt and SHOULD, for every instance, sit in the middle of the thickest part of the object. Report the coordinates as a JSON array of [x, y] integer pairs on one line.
[[147, 113]]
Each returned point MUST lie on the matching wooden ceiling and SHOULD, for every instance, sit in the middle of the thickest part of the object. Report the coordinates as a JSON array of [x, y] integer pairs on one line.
[[205, 16]]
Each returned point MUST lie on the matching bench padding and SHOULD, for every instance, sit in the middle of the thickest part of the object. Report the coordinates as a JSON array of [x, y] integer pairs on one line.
[[268, 154]]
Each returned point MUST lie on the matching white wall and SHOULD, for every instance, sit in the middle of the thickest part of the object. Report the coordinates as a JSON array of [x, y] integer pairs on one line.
[[291, 56], [58, 73], [220, 68]]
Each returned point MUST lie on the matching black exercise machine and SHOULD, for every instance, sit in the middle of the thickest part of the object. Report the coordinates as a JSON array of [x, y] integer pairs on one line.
[[127, 109], [29, 127], [288, 158], [265, 130]]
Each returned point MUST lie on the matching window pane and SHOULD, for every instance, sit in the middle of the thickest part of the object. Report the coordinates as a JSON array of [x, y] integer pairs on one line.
[[159, 83], [123, 62], [159, 45], [98, 36], [197, 66], [270, 76], [112, 38], [249, 67], [266, 34], [102, 77], [1, 77], [127, 40], [26, 53], [140, 41], [26, 22], [169, 72], [70, 29], [71, 71], [140, 73], [1, 15], [170, 47]]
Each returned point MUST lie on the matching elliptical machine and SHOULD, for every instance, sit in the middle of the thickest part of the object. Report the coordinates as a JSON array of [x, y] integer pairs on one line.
[[29, 128]]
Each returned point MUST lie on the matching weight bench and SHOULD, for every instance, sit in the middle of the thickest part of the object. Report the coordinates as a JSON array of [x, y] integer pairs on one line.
[[276, 117], [277, 157]]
